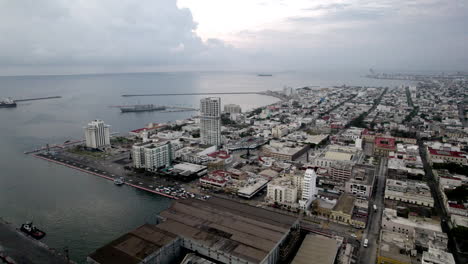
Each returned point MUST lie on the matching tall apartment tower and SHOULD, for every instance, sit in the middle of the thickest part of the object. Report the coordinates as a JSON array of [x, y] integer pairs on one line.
[[309, 188], [97, 134], [210, 121]]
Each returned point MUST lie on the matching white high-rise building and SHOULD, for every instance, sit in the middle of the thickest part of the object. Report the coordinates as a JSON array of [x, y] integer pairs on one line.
[[151, 156], [309, 188], [97, 134], [210, 121]]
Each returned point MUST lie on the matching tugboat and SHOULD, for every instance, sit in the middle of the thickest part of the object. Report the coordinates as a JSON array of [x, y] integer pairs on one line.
[[119, 181], [31, 230]]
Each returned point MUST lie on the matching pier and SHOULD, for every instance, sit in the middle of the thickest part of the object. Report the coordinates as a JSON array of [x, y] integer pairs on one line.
[[99, 173], [38, 98], [178, 94]]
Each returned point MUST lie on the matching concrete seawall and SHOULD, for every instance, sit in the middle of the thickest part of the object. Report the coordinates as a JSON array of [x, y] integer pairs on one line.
[[104, 176]]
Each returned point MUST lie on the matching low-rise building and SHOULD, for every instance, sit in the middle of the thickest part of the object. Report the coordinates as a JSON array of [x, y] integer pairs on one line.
[[279, 131], [283, 191], [345, 212], [395, 248], [216, 179], [413, 192], [284, 150], [383, 146], [436, 155], [252, 187], [435, 256], [361, 182]]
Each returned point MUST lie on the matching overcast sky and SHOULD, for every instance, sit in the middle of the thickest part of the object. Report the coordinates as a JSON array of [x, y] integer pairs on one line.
[[74, 36]]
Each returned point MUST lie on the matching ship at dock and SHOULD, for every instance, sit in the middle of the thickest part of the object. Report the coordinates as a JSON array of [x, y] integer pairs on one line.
[[7, 102], [141, 108]]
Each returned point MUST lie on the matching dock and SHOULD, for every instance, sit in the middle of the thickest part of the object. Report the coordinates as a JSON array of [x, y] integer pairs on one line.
[[16, 247], [37, 98], [95, 172]]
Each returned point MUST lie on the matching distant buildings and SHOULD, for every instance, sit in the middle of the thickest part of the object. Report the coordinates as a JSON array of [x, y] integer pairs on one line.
[[152, 156], [210, 121], [97, 134], [232, 109]]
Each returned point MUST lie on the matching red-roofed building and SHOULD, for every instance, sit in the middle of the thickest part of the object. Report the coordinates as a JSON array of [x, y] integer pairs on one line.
[[222, 154], [458, 209], [150, 128], [217, 178], [383, 146], [447, 156]]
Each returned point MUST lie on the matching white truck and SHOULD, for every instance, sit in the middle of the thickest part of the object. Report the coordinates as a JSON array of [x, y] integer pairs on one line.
[[375, 208]]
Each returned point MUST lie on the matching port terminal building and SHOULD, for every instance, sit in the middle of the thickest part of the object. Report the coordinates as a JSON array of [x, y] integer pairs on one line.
[[218, 230]]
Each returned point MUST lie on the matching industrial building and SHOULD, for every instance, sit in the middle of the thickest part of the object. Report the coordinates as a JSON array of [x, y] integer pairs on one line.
[[219, 230]]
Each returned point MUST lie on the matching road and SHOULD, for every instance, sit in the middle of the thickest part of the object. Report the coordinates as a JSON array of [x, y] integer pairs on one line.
[[369, 255]]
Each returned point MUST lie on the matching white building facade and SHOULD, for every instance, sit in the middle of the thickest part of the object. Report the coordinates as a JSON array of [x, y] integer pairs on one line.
[[210, 121], [309, 188], [152, 156], [97, 134]]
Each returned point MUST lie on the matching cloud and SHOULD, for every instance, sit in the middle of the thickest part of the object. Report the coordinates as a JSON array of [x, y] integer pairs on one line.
[[105, 32], [133, 35], [408, 35]]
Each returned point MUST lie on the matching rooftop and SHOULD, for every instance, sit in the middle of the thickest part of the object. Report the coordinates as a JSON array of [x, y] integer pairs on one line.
[[233, 228], [345, 204], [133, 247], [447, 153], [385, 142], [317, 249]]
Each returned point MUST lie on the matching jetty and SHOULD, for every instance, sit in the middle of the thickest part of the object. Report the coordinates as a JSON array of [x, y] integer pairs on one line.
[[179, 94], [37, 98]]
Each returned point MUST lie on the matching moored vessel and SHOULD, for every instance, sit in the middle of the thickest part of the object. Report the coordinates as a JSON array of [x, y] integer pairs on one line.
[[142, 108], [7, 102], [119, 181], [31, 230]]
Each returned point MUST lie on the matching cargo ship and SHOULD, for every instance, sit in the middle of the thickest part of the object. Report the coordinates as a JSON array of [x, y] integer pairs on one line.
[[264, 75], [142, 108], [7, 102]]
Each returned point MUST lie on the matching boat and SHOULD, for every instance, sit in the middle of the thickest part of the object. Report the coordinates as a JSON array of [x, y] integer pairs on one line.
[[119, 181], [264, 75], [32, 231], [142, 108], [7, 102]]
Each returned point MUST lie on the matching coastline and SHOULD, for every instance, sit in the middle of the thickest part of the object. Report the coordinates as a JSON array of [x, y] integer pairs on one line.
[[104, 177]]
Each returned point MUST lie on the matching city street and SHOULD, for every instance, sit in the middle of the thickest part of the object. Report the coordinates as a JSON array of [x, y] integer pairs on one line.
[[368, 255]]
